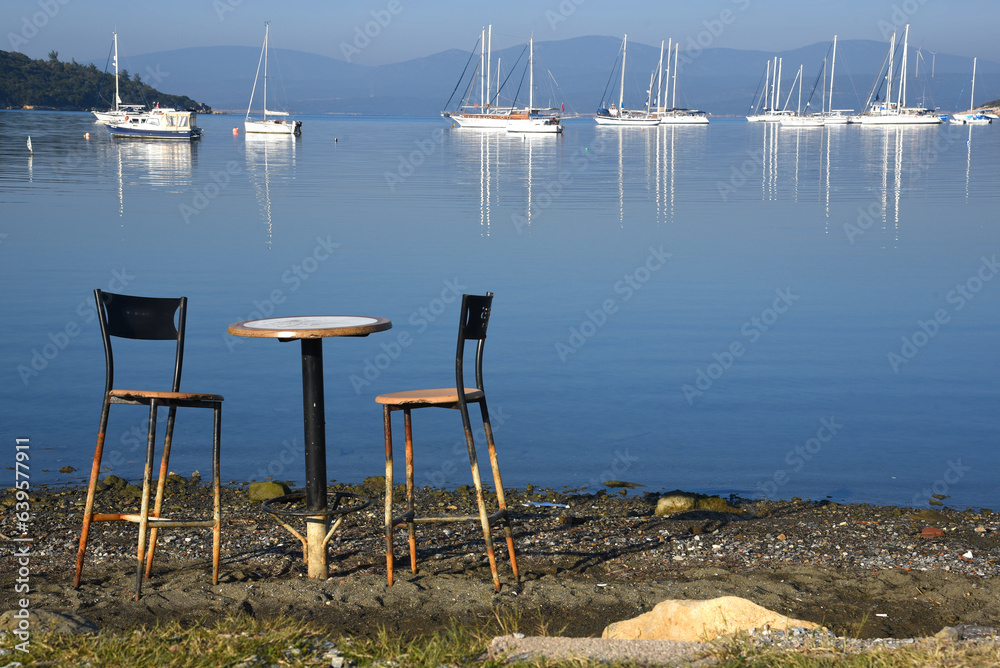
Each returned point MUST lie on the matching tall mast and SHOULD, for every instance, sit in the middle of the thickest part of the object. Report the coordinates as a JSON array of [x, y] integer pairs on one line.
[[670, 47], [972, 97], [774, 84], [621, 94], [482, 68], [659, 79], [767, 86], [902, 68], [833, 67], [531, 74], [673, 97], [117, 100], [266, 27], [777, 84], [489, 58], [799, 77], [888, 87]]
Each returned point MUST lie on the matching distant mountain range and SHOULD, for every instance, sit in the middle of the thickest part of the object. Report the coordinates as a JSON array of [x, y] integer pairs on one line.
[[573, 72]]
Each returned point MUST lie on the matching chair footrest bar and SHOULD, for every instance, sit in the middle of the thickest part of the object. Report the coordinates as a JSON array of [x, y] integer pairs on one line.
[[402, 520], [153, 521]]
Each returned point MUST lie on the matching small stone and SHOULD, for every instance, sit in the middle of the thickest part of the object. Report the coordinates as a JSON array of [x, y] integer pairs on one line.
[[948, 634], [782, 536], [931, 533], [67, 469], [675, 503]]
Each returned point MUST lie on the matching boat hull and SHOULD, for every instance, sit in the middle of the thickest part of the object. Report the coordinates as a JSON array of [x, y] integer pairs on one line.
[[121, 130], [899, 119], [273, 127], [626, 121], [684, 119]]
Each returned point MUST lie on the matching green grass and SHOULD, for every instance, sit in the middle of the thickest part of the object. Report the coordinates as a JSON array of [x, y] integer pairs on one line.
[[287, 642]]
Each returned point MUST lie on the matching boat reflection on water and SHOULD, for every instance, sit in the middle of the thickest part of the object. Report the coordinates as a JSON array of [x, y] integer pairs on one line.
[[162, 165], [267, 156], [517, 173]]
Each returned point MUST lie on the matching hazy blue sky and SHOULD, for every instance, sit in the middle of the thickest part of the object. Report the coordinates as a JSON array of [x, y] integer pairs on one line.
[[402, 29]]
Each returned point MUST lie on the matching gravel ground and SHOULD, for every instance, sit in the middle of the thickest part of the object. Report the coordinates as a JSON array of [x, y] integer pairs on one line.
[[863, 572]]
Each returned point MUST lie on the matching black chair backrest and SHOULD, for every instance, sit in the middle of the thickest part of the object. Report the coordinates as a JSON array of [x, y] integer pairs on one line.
[[145, 318], [472, 327]]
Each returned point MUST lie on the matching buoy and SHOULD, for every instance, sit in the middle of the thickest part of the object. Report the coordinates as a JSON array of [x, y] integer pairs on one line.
[[86, 135], [236, 131]]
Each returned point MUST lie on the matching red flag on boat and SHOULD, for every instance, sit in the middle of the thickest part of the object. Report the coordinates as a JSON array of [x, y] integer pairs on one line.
[[564, 106]]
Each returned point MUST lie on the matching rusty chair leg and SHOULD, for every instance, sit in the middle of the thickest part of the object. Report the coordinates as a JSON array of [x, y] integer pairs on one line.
[[216, 491], [147, 476], [88, 510], [410, 523], [160, 486], [501, 501], [387, 418], [483, 515]]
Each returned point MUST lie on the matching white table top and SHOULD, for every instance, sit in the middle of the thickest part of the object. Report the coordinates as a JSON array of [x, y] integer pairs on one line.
[[310, 326]]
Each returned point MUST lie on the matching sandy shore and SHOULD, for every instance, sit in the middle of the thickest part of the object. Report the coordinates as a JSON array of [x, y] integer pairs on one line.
[[859, 570]]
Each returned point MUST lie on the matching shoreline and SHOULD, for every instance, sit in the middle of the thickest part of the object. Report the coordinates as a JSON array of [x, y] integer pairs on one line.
[[862, 571]]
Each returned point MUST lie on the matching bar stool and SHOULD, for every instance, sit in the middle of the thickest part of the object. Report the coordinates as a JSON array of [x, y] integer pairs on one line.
[[149, 318], [472, 327]]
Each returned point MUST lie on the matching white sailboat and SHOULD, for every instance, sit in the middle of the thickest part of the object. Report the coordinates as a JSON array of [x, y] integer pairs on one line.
[[532, 119], [484, 114], [833, 116], [799, 120], [673, 115], [619, 115], [889, 112], [766, 109], [972, 117], [119, 112], [267, 123]]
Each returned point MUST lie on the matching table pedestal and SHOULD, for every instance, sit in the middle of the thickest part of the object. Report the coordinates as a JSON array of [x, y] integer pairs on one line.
[[315, 451]]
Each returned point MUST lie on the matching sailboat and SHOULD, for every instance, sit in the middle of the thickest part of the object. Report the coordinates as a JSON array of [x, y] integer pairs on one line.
[[888, 111], [531, 119], [833, 116], [766, 109], [119, 112], [972, 117], [266, 123], [619, 115], [673, 115], [484, 114], [799, 120]]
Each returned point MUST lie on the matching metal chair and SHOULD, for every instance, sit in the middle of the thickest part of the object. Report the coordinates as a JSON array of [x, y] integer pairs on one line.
[[472, 327], [149, 318]]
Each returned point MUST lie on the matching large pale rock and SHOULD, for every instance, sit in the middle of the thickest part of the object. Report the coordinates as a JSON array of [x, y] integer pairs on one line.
[[701, 620], [266, 490]]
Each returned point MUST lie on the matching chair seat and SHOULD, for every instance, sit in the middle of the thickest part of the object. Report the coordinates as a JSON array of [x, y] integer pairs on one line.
[[167, 396], [444, 395]]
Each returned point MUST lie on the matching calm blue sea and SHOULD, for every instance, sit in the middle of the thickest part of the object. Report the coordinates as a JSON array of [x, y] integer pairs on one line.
[[737, 308]]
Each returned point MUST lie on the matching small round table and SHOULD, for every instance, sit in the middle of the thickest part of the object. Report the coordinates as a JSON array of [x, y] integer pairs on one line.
[[311, 330]]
